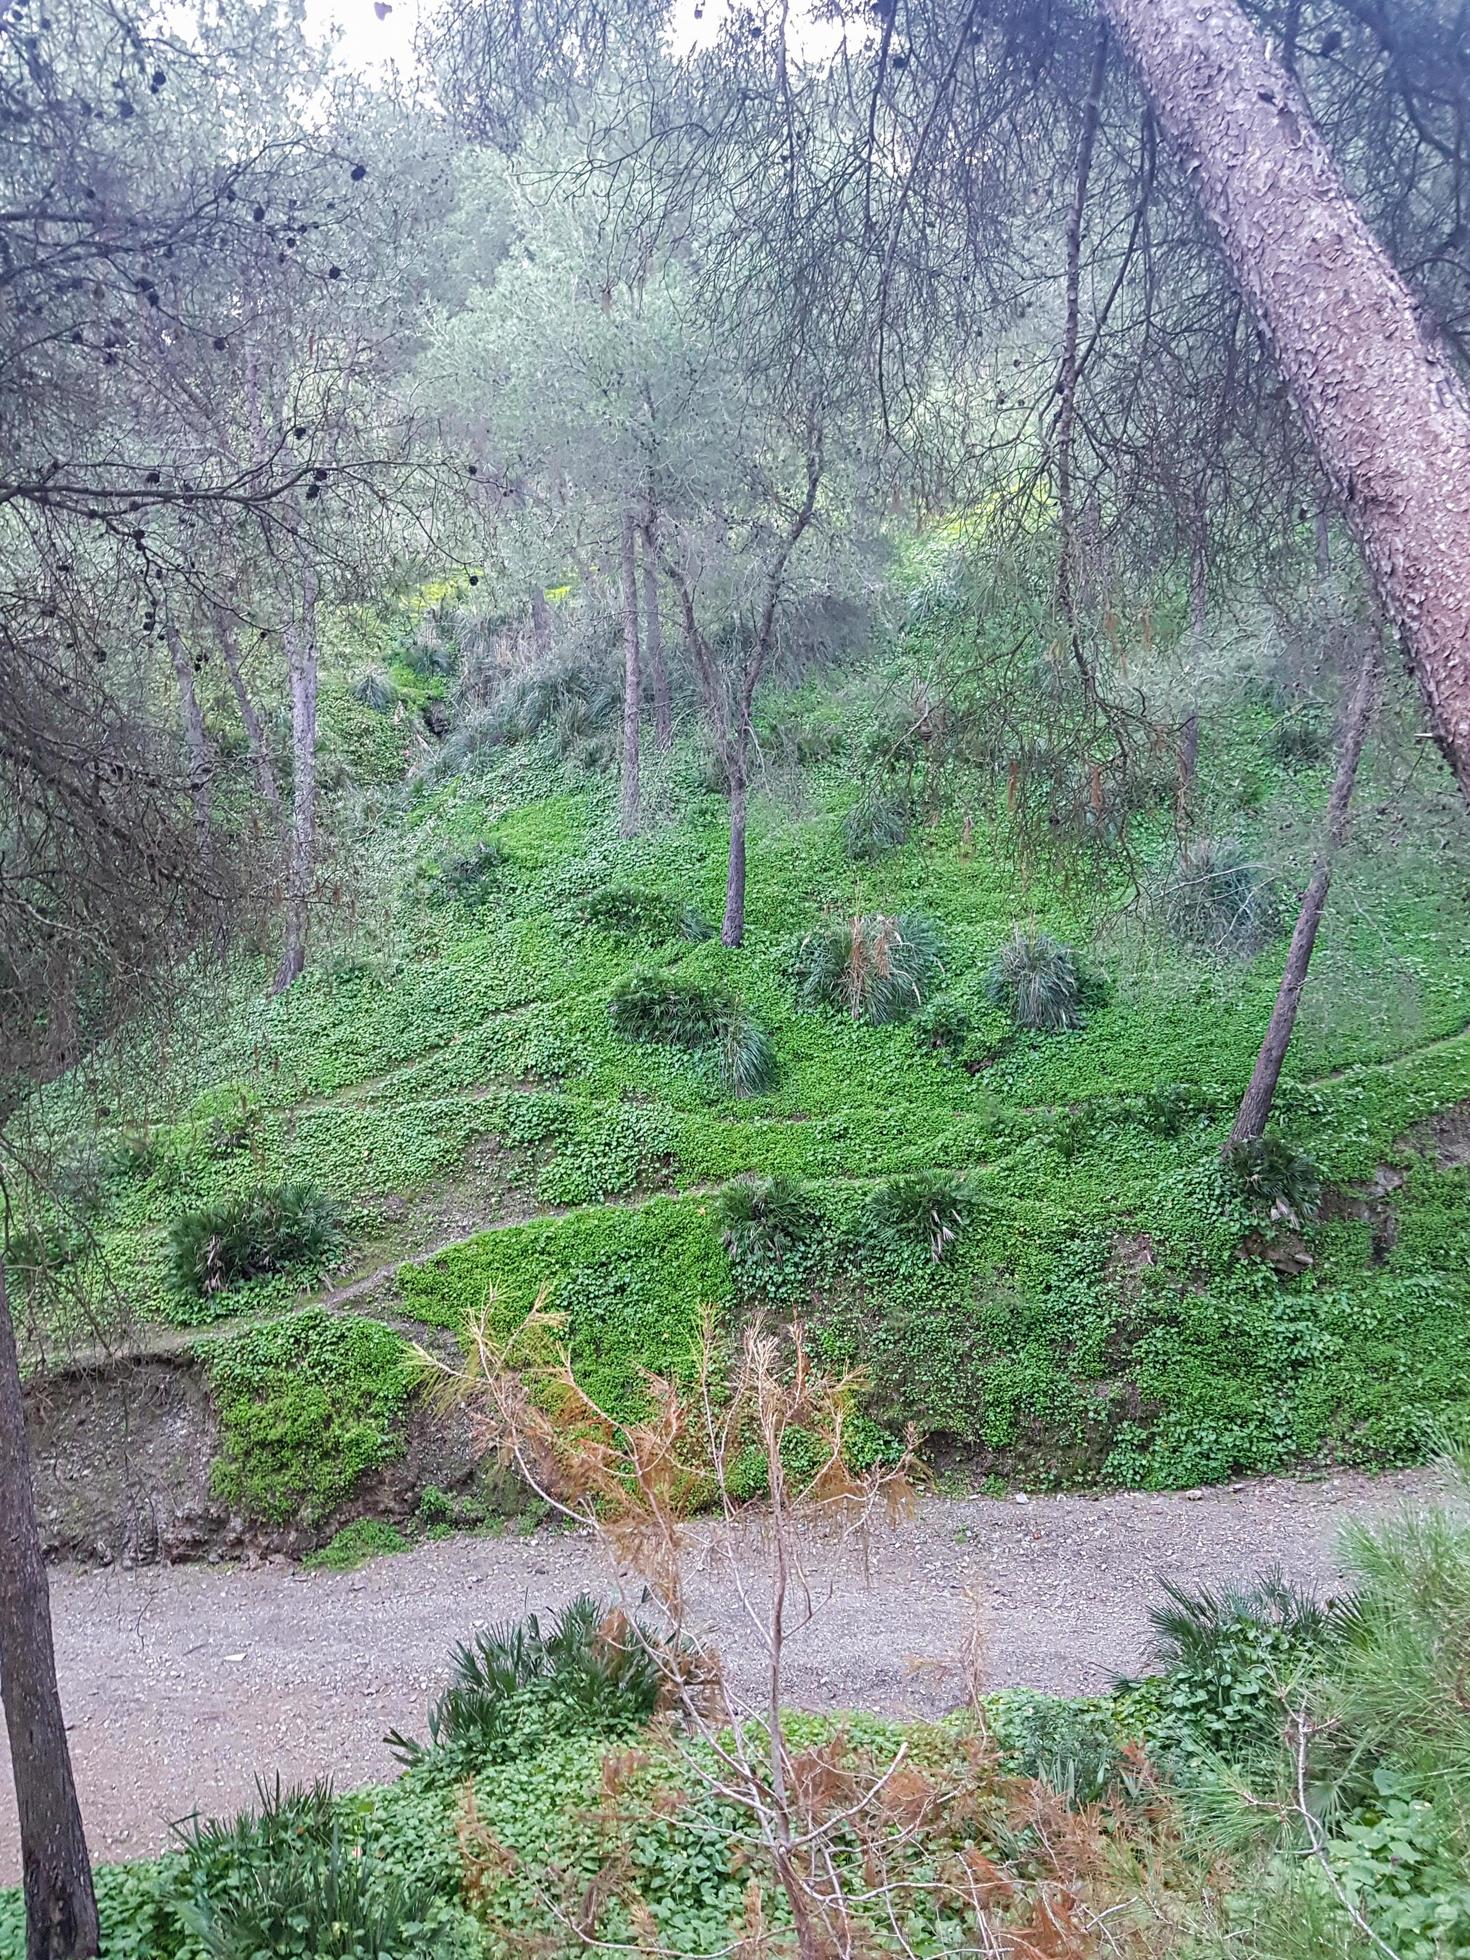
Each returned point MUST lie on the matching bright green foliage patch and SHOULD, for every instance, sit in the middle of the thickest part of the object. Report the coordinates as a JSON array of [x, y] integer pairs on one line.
[[306, 1406], [355, 1544]]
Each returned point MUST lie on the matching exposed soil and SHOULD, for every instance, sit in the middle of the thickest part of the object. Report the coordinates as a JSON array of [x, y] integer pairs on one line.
[[182, 1683]]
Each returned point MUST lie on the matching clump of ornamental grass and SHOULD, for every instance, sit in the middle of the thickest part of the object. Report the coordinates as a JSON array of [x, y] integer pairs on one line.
[[271, 1229], [1217, 899], [1034, 979], [927, 1209], [656, 1006], [877, 968], [874, 826], [1274, 1178]]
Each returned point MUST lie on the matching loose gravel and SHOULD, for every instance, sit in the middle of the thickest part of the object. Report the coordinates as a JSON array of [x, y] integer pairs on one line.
[[182, 1684]]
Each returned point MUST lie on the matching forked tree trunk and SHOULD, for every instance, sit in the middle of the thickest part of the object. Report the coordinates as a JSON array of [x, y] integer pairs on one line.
[[301, 658], [260, 755], [653, 640], [1255, 1107], [1387, 414], [632, 682], [196, 745], [56, 1875]]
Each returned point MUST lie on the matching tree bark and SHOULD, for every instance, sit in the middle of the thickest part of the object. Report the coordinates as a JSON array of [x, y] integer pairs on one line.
[[653, 640], [1386, 412], [301, 659], [1323, 536], [632, 682], [196, 745], [541, 627], [260, 755], [1255, 1106], [56, 1875], [732, 928]]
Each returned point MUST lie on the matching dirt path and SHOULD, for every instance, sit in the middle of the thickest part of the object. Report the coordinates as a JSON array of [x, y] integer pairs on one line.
[[182, 1683]]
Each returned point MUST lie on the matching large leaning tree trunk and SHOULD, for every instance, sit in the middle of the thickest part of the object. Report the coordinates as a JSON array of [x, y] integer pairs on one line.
[[301, 659], [61, 1910], [629, 798], [1386, 412], [1256, 1104]]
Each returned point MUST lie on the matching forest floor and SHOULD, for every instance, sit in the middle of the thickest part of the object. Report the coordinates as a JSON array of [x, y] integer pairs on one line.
[[184, 1683]]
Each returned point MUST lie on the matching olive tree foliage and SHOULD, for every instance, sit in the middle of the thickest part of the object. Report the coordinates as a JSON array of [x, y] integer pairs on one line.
[[625, 424]]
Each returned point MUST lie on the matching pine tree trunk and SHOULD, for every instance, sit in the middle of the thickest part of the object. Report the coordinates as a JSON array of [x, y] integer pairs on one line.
[[541, 626], [1387, 413], [653, 639], [632, 682], [732, 931], [56, 1875], [301, 658], [260, 755], [196, 746], [1255, 1106]]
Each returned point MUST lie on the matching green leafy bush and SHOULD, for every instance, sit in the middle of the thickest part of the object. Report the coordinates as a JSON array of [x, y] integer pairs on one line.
[[655, 1006], [944, 1025], [1231, 1658], [271, 1229], [1217, 899], [654, 916], [1300, 741], [589, 1669], [927, 1209], [874, 826], [1273, 1177], [291, 1883], [877, 968], [376, 688], [472, 876], [1034, 979], [354, 1544], [767, 1228], [306, 1407]]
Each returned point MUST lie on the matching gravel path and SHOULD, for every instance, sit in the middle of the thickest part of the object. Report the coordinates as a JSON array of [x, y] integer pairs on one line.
[[180, 1683]]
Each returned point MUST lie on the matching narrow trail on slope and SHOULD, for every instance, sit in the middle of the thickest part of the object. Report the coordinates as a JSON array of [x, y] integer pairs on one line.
[[182, 1683]]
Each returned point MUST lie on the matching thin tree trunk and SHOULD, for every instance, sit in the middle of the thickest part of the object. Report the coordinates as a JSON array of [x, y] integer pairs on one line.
[[632, 682], [541, 627], [301, 658], [732, 931], [1387, 413], [1067, 567], [1323, 531], [196, 745], [653, 640], [260, 755], [1255, 1106], [56, 1875]]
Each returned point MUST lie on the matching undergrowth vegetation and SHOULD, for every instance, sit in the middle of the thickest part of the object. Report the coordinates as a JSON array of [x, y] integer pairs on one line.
[[983, 1162]]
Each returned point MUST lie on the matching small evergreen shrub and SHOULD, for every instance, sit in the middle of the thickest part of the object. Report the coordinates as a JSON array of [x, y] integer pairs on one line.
[[766, 1228], [1034, 978], [1273, 1177], [376, 688], [640, 914], [874, 826], [588, 1670], [292, 1884], [469, 878], [927, 1209], [1300, 742], [355, 1544], [1230, 1658], [1218, 900], [878, 969], [654, 1006], [272, 1229]]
